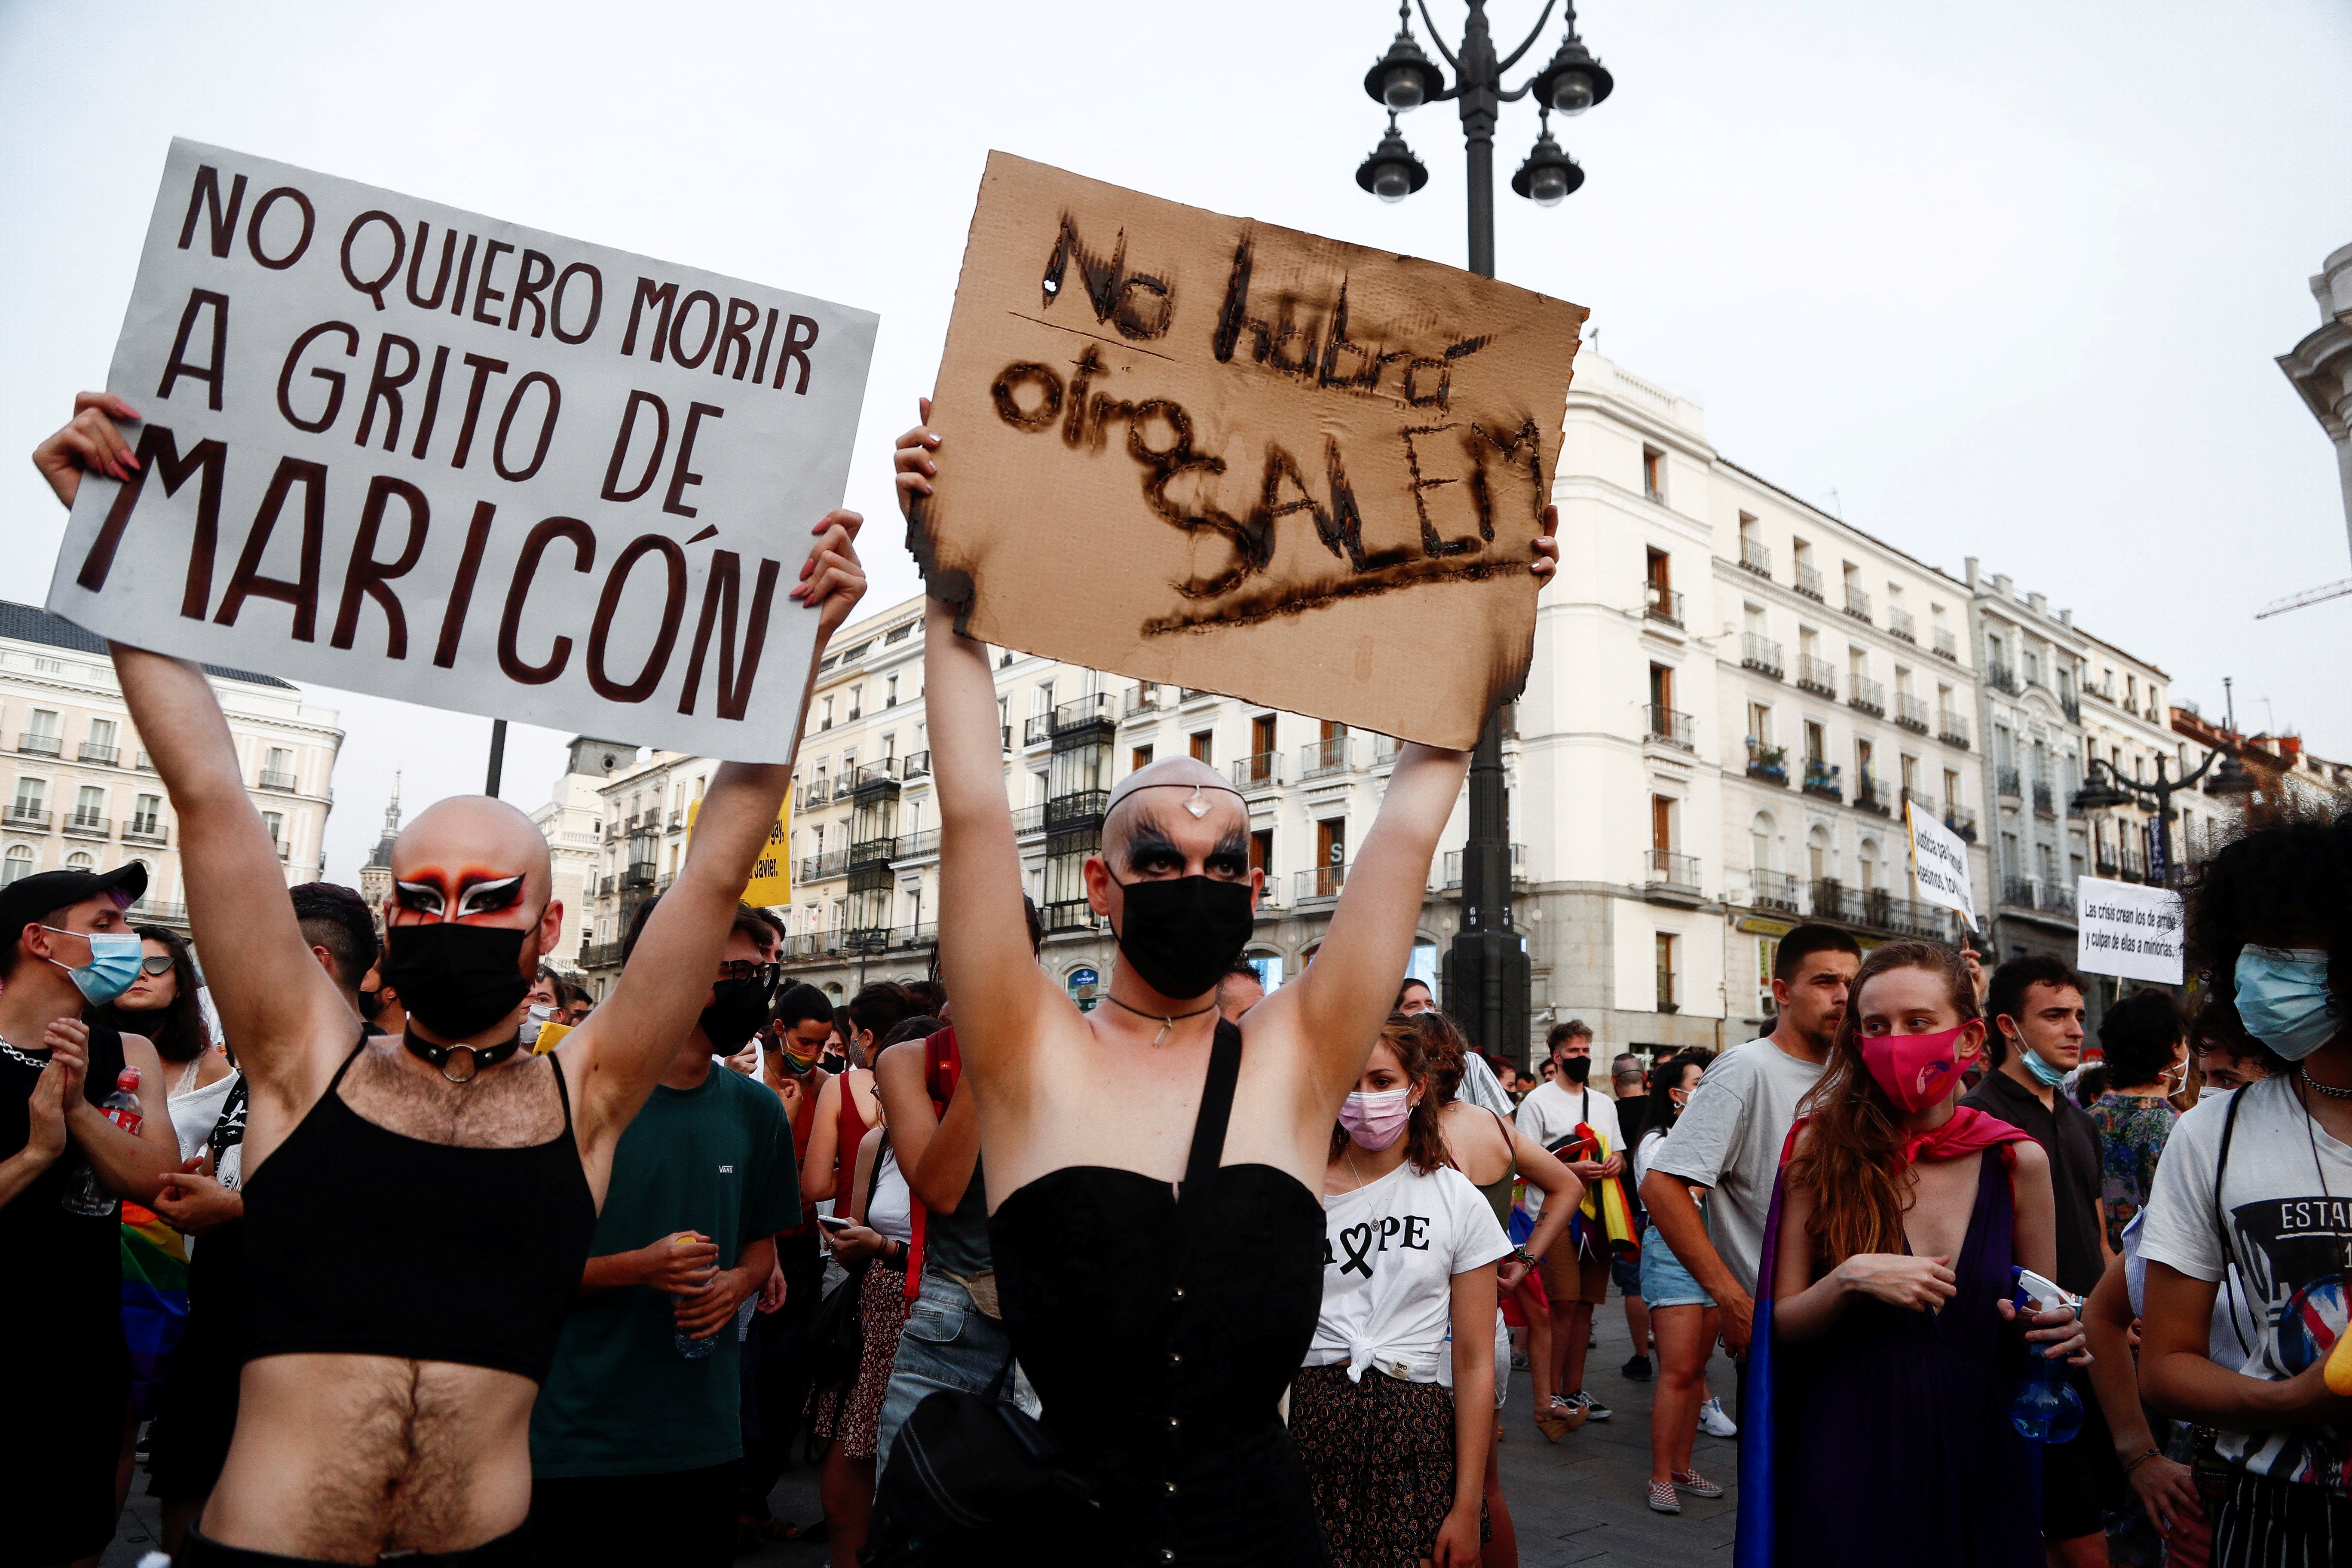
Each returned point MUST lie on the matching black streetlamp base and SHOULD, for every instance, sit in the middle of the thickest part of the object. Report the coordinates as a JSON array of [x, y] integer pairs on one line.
[[1486, 983]]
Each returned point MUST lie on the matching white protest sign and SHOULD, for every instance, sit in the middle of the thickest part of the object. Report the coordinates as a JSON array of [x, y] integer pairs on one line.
[[1939, 858], [396, 448], [2126, 930]]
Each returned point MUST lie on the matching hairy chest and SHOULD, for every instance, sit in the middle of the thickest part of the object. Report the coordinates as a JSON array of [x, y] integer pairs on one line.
[[511, 1106]]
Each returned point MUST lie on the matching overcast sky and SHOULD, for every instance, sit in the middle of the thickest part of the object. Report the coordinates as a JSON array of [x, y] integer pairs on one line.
[[2006, 279]]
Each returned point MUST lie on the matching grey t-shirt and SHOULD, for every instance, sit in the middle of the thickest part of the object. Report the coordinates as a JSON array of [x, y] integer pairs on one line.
[[1728, 1139]]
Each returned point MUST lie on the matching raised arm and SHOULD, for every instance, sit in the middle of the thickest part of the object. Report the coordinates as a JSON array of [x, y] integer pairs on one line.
[[617, 1056], [1339, 1003], [290, 1022]]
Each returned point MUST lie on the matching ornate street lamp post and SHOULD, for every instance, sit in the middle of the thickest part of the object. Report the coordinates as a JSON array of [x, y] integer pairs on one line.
[[1485, 978]]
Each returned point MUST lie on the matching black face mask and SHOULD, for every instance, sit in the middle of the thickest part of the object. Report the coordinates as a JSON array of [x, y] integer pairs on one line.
[[456, 980], [370, 1004], [1576, 1069], [738, 1010], [1183, 933]]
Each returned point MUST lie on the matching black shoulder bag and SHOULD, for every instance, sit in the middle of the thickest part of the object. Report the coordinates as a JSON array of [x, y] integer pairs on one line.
[[969, 1471]]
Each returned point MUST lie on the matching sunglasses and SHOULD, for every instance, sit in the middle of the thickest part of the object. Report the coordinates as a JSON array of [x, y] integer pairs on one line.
[[750, 969], [160, 964]]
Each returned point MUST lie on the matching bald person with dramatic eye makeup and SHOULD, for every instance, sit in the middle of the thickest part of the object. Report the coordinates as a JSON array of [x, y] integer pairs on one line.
[[418, 1206]]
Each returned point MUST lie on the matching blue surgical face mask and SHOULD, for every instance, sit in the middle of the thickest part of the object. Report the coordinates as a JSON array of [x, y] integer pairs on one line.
[[2283, 999], [113, 964], [2045, 1075]]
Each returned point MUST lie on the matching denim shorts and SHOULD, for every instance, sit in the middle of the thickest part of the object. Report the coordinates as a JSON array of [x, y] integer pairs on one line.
[[1664, 1281], [947, 1343]]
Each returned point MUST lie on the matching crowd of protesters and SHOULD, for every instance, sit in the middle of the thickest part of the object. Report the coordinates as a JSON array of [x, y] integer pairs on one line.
[[399, 1247]]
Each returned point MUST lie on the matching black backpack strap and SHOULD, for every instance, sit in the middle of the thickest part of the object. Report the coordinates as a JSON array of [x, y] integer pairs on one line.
[[1209, 1125], [2221, 1217]]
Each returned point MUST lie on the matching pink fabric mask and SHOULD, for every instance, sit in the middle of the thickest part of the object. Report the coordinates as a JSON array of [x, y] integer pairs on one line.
[[1915, 1070], [1376, 1120]]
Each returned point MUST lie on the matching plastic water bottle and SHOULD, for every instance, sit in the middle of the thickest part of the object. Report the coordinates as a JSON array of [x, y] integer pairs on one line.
[[688, 1345], [2046, 1407], [83, 1195]]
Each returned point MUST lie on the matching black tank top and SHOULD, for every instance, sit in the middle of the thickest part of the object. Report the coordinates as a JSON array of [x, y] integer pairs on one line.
[[364, 1241]]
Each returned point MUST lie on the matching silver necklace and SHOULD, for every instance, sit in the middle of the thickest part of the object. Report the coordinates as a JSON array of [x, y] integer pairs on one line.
[[30, 1060], [2328, 1089]]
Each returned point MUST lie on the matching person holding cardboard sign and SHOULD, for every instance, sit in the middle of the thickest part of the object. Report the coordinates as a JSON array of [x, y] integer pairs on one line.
[[1160, 1322], [419, 1210]]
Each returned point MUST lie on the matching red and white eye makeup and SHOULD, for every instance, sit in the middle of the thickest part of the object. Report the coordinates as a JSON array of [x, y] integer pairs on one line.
[[468, 896]]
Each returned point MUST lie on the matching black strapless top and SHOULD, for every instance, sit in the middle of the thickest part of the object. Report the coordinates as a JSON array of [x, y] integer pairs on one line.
[[1162, 1382]]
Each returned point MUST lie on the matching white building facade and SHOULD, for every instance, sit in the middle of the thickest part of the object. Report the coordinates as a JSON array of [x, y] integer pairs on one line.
[[83, 793]]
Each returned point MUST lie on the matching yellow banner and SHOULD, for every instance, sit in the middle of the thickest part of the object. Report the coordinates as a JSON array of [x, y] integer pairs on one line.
[[770, 886]]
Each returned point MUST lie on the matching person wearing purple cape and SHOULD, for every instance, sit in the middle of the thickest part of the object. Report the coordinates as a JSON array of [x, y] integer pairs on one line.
[[1884, 1361]]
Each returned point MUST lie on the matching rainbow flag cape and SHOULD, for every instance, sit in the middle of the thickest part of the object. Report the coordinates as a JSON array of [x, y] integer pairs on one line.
[[1604, 1219], [154, 1301]]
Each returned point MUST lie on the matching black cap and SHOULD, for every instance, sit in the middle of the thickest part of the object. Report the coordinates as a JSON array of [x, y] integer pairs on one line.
[[30, 898]]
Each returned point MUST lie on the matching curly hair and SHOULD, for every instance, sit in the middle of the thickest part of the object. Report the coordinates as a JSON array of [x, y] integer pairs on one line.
[[1446, 1049], [1851, 1155], [2285, 886], [1424, 1140]]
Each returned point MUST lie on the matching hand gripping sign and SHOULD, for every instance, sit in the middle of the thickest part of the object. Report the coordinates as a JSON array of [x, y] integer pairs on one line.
[[409, 450], [1204, 450]]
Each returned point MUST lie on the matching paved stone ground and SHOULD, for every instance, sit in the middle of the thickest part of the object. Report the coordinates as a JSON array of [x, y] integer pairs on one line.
[[1580, 1501]]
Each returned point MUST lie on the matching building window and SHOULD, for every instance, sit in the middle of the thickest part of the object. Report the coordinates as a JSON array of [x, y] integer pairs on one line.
[[1138, 759], [79, 860], [1261, 851], [1666, 996], [89, 807], [1204, 746], [146, 813], [19, 863], [32, 797], [891, 692], [825, 712], [276, 822], [1653, 473], [856, 699]]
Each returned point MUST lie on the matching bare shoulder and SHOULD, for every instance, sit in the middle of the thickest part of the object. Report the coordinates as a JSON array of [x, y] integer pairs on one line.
[[2031, 1159]]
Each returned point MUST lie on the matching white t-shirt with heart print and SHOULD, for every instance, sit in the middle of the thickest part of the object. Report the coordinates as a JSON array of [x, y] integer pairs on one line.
[[1390, 1254]]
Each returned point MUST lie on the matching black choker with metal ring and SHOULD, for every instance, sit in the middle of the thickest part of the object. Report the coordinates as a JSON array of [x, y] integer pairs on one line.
[[476, 1058]]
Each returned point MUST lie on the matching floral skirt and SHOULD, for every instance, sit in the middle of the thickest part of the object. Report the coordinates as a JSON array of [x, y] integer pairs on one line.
[[1380, 1459], [853, 1421]]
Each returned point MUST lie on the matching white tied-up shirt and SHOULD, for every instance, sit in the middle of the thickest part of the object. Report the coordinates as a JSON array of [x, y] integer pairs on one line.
[[1390, 1254]]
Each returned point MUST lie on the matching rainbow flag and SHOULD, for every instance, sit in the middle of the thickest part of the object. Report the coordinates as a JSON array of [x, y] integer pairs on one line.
[[154, 1301]]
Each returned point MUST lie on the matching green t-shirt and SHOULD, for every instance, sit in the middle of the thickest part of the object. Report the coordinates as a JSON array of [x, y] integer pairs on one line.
[[621, 1400]]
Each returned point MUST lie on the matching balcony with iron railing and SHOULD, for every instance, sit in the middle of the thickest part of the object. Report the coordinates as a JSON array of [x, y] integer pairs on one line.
[[273, 779], [867, 852], [1072, 914], [1857, 603], [1816, 674], [1140, 700], [20, 815], [1668, 871], [2044, 801], [842, 789], [1028, 820], [1961, 820], [1823, 779], [156, 912], [2001, 678], [1662, 604], [2131, 865], [41, 745], [921, 845], [1191, 695], [824, 865], [640, 874], [1452, 868], [1322, 759], [1916, 800], [1952, 729], [1768, 764], [1037, 730], [105, 756], [2008, 782], [870, 775], [146, 763], [88, 824], [1868, 696], [1760, 654], [1911, 712], [2071, 706], [1773, 890], [1321, 882], [1899, 622], [918, 766], [1875, 909], [1871, 795], [1668, 727], [1757, 557], [599, 954], [1101, 707], [1809, 582], [1262, 770], [1077, 808], [2029, 893], [146, 830]]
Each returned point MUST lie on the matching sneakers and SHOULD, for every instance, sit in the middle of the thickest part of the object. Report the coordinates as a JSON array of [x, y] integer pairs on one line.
[[1695, 1484], [1713, 1422], [1638, 1368], [1593, 1409], [1663, 1498], [1518, 1361]]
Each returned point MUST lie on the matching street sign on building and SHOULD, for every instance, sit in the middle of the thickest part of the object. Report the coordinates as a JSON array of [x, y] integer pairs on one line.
[[409, 450]]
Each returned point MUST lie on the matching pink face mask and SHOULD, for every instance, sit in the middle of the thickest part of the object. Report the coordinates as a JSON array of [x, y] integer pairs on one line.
[[1376, 1120], [1915, 1070]]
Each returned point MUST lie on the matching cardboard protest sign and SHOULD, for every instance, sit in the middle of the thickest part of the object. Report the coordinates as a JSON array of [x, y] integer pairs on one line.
[[409, 450], [2128, 929], [771, 883], [1205, 450], [1939, 860]]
